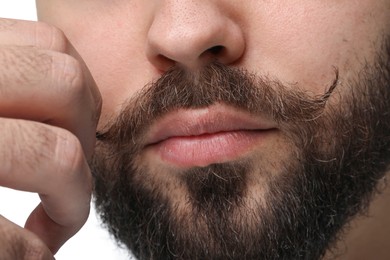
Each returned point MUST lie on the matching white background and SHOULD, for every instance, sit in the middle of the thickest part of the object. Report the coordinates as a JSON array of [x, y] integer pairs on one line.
[[92, 242]]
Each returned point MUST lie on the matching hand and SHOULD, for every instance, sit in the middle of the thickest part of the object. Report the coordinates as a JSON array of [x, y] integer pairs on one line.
[[49, 108]]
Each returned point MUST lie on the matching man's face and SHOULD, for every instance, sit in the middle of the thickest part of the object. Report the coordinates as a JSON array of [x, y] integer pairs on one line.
[[230, 129]]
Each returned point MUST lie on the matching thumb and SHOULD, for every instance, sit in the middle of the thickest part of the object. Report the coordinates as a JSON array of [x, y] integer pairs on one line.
[[51, 233]]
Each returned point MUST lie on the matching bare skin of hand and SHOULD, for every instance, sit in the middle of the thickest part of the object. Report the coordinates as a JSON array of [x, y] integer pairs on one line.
[[49, 108]]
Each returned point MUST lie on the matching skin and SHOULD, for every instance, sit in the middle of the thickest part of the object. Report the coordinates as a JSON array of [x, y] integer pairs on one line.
[[128, 44]]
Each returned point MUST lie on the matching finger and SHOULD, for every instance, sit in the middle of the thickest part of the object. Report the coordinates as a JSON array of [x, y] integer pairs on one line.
[[19, 243], [53, 234], [46, 37], [43, 36], [31, 33], [50, 161], [49, 87]]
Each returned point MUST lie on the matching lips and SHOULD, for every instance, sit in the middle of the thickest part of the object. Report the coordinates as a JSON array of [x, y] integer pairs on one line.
[[199, 137]]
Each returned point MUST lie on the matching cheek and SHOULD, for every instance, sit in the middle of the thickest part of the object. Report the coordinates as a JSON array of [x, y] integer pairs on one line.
[[302, 44], [113, 46], [119, 75]]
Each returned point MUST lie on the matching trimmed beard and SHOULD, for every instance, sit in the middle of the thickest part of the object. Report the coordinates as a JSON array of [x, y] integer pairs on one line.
[[336, 149]]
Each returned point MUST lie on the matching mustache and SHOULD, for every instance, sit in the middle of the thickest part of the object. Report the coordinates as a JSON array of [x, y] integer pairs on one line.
[[215, 83]]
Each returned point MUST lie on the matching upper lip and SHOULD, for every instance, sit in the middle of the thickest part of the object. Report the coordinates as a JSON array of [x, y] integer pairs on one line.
[[195, 122]]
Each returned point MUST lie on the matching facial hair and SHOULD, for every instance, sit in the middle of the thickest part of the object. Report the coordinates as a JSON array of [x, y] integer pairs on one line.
[[340, 149]]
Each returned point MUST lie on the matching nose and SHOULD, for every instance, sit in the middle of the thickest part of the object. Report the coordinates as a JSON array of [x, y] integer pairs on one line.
[[193, 33]]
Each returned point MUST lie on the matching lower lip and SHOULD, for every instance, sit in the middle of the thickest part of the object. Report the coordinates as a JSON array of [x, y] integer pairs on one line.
[[203, 150]]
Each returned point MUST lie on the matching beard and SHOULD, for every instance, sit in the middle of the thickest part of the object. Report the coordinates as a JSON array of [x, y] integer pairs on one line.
[[290, 203]]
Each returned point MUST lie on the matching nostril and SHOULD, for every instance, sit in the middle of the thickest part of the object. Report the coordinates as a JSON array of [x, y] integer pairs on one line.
[[213, 54], [216, 49]]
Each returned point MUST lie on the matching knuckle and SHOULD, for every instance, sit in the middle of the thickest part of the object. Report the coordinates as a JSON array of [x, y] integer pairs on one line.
[[16, 243], [34, 249], [30, 66], [49, 36], [68, 75], [23, 65], [37, 147], [8, 233], [6, 24], [31, 145], [40, 148]]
